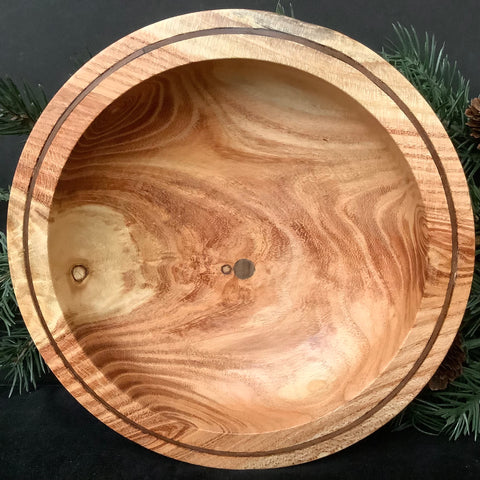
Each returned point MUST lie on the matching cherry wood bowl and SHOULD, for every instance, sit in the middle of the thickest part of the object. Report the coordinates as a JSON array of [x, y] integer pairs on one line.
[[241, 240]]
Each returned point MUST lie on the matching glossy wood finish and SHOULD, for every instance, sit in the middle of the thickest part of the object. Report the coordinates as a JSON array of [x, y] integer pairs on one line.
[[241, 240]]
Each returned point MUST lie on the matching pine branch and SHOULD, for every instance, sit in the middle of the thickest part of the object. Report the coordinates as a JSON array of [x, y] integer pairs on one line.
[[4, 195], [441, 83], [18, 355], [8, 304], [20, 107], [454, 411], [20, 358], [20, 361]]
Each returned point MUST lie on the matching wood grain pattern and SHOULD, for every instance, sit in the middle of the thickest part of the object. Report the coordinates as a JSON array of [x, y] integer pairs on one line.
[[202, 166], [241, 240]]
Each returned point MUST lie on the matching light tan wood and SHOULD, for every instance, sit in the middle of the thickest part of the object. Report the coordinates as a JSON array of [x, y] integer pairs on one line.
[[241, 240], [202, 167]]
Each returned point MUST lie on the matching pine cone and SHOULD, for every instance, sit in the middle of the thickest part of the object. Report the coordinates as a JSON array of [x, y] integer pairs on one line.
[[451, 367], [473, 114]]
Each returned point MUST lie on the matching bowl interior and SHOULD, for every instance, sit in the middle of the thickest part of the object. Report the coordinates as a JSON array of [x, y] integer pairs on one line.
[[238, 245]]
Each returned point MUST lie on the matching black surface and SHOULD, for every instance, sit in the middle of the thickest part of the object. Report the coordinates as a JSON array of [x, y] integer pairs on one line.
[[47, 434]]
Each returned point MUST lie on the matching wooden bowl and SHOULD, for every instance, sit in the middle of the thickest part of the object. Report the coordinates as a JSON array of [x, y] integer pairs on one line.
[[241, 240]]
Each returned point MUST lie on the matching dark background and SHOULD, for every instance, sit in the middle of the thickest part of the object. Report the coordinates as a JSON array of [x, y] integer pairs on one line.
[[46, 434]]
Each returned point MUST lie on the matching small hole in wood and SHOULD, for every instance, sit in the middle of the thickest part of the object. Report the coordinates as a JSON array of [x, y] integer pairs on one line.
[[79, 273], [244, 268], [226, 269]]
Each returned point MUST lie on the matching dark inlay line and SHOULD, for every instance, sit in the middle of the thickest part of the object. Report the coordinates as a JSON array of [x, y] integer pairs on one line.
[[307, 43]]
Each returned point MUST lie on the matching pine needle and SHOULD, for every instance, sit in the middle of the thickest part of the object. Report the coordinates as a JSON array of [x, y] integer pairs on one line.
[[8, 304], [280, 9], [4, 195], [21, 359], [454, 412], [20, 107]]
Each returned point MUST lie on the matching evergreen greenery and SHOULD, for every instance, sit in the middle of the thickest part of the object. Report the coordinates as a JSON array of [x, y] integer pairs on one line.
[[20, 360], [439, 80], [456, 410], [4, 195], [20, 107]]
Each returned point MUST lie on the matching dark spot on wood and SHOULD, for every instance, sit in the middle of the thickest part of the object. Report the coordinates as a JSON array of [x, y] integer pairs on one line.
[[244, 268]]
